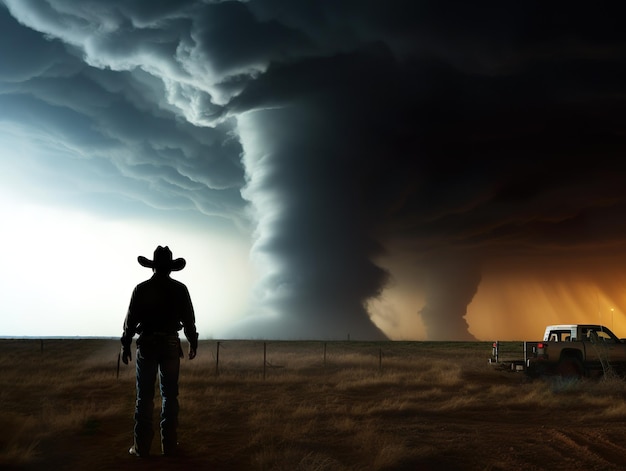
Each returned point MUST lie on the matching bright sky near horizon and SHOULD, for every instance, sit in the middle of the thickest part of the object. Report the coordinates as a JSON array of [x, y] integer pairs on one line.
[[327, 168], [70, 273]]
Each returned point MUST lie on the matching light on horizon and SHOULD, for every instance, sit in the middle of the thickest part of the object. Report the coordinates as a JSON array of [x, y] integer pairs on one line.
[[67, 273]]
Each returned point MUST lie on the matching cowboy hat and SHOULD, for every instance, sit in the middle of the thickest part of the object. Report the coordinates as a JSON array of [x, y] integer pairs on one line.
[[163, 260]]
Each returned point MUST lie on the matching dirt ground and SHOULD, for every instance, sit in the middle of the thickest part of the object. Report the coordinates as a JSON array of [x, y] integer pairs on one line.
[[476, 418]]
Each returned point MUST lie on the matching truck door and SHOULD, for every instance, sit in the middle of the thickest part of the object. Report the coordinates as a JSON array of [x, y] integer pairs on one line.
[[606, 347]]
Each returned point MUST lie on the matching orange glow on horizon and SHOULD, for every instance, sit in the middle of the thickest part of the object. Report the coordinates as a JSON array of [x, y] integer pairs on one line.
[[518, 308], [515, 299]]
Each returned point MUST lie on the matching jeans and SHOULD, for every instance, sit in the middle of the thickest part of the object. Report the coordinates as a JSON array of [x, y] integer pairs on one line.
[[157, 354]]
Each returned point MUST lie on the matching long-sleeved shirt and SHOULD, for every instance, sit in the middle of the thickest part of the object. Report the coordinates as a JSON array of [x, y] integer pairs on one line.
[[160, 305]]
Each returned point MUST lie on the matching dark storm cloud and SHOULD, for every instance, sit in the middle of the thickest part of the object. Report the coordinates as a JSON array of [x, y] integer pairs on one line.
[[445, 135], [17, 66], [458, 136], [120, 116], [233, 40]]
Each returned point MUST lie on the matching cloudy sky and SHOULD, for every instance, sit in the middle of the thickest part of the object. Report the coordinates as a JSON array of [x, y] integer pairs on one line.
[[399, 169]]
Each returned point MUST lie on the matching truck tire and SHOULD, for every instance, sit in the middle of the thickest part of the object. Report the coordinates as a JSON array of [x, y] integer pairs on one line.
[[570, 367]]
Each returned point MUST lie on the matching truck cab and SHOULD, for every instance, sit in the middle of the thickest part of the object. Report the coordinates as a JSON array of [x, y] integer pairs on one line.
[[578, 349], [579, 332]]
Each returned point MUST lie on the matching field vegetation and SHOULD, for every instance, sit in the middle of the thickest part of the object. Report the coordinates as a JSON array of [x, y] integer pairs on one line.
[[308, 406]]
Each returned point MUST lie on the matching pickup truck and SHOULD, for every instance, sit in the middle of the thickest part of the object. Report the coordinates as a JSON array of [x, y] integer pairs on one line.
[[570, 350]]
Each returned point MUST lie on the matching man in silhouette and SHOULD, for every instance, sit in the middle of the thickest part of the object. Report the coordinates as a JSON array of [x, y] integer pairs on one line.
[[159, 308]]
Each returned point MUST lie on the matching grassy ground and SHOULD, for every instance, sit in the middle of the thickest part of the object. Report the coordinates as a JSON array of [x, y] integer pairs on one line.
[[315, 406]]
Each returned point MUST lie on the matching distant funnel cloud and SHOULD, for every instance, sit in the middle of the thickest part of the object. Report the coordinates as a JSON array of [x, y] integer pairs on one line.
[[450, 287], [318, 269]]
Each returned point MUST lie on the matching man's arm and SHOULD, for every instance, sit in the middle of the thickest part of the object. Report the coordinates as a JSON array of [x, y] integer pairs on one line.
[[130, 328], [189, 325]]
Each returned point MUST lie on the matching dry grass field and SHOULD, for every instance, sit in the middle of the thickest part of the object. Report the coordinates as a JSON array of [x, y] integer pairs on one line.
[[364, 406]]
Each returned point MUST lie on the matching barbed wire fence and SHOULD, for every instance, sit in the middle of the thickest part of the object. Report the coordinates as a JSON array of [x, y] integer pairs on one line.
[[267, 356], [275, 355]]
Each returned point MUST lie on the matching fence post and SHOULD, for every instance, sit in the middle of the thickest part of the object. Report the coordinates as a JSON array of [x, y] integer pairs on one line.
[[217, 360], [324, 354], [380, 359], [264, 359], [41, 345]]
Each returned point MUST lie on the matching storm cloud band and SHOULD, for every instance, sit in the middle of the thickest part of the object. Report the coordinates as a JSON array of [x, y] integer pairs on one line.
[[336, 133]]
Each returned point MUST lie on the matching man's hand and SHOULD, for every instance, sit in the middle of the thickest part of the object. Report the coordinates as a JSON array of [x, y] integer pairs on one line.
[[193, 345], [126, 355]]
